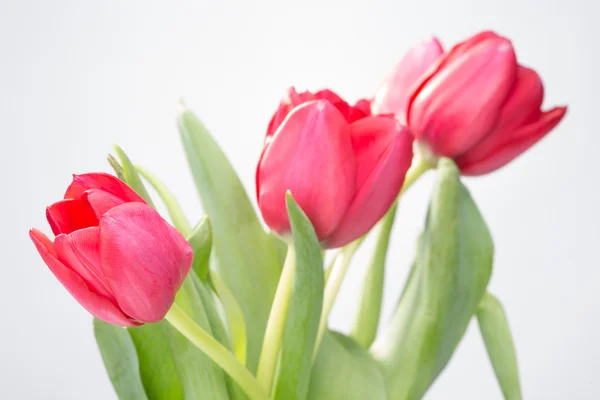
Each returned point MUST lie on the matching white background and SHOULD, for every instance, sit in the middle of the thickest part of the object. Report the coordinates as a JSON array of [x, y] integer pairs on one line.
[[77, 76]]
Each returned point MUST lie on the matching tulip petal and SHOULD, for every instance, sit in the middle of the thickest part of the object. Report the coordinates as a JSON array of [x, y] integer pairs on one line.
[[144, 260], [455, 106], [290, 100], [69, 215], [523, 102], [509, 145], [383, 151], [393, 95], [311, 156], [80, 251], [95, 304], [102, 181], [101, 201]]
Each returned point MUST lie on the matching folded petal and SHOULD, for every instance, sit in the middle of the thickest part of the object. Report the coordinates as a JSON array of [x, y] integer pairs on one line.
[[383, 155], [523, 102], [509, 144], [459, 102], [392, 97], [100, 201], [80, 251], [97, 305], [102, 181], [66, 216], [144, 260], [311, 156], [290, 100]]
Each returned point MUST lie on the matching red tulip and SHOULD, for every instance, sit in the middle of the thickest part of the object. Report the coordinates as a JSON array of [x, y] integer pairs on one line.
[[474, 103], [114, 253], [344, 167]]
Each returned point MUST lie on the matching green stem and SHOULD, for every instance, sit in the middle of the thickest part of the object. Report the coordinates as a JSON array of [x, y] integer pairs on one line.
[[366, 322], [215, 350], [276, 322], [332, 287], [174, 209]]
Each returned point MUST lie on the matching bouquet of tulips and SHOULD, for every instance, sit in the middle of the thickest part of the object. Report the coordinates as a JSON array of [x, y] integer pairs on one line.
[[230, 309]]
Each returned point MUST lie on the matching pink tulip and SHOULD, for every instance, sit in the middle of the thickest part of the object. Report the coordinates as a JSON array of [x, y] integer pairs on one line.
[[474, 103], [115, 255], [343, 167], [392, 96]]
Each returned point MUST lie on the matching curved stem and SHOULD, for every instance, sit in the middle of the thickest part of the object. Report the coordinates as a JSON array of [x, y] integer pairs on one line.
[[366, 322], [335, 274], [332, 287], [215, 350], [276, 322]]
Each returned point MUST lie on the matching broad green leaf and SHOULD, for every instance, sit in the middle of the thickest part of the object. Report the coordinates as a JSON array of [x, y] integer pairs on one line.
[[201, 241], [246, 257], [131, 175], [343, 370], [304, 312], [120, 360], [173, 208], [452, 269], [157, 368], [500, 347]]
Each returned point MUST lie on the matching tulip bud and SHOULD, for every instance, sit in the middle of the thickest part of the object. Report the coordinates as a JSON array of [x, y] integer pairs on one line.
[[474, 104], [114, 253], [344, 168]]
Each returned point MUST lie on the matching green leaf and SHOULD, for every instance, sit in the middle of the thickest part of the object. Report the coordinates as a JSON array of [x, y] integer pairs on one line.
[[219, 332], [157, 368], [233, 315], [452, 269], [343, 370], [173, 208], [131, 176], [246, 257], [500, 347], [201, 241], [198, 375], [304, 312], [120, 360], [116, 167]]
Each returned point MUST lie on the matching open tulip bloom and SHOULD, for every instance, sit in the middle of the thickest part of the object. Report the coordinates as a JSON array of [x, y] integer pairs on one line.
[[234, 308]]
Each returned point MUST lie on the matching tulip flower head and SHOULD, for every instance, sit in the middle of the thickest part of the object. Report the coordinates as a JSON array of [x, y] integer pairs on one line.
[[343, 166], [114, 253], [473, 103]]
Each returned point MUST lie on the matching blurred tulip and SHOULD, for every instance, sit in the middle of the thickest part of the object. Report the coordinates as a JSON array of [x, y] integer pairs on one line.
[[474, 103], [343, 167], [115, 254]]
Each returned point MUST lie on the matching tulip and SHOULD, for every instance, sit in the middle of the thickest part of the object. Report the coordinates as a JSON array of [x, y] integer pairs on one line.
[[343, 167], [114, 253], [474, 103]]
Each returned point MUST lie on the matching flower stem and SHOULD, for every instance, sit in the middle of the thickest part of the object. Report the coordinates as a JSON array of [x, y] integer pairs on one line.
[[366, 322], [373, 288], [332, 287], [276, 322], [219, 354]]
